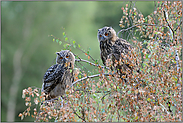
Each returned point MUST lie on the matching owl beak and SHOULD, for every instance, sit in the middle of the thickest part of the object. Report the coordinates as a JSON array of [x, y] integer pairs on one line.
[[102, 38], [64, 60]]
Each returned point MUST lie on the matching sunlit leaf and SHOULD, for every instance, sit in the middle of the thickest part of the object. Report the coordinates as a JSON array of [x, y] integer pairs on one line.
[[60, 42], [57, 40], [66, 39]]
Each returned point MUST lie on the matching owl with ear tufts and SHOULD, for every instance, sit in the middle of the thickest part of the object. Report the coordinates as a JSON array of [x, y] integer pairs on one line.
[[58, 76], [114, 48]]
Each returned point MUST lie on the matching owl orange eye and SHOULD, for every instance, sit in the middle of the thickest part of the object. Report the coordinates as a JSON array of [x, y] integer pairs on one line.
[[100, 35], [67, 56], [61, 57], [106, 34]]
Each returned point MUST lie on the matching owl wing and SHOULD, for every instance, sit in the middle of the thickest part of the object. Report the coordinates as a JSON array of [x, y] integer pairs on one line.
[[122, 46], [52, 77]]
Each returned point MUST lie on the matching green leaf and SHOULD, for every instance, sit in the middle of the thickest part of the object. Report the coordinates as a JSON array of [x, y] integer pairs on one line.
[[148, 99], [147, 56], [96, 61], [66, 39], [65, 45], [57, 40], [63, 33], [53, 39], [145, 42], [60, 42], [94, 96], [68, 45], [78, 45], [74, 42], [79, 76]]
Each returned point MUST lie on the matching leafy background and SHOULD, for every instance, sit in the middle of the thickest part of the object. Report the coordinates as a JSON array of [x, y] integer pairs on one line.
[[27, 51]]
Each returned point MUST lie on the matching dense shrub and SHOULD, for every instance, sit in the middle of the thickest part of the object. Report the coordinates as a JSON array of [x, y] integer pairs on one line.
[[153, 94]]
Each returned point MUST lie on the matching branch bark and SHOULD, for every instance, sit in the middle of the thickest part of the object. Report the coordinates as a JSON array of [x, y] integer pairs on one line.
[[135, 26], [77, 114], [78, 60], [93, 76]]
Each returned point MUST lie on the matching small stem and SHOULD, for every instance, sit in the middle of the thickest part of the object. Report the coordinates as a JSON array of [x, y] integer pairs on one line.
[[77, 114], [93, 76], [78, 60], [135, 26]]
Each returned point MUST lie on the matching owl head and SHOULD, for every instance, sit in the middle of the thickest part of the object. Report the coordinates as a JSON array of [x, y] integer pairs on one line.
[[106, 33], [66, 58]]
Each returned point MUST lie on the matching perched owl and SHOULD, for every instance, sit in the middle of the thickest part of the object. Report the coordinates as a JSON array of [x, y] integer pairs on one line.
[[112, 47], [59, 75]]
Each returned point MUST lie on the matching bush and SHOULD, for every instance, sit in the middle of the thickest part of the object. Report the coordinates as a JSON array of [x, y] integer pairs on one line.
[[153, 94]]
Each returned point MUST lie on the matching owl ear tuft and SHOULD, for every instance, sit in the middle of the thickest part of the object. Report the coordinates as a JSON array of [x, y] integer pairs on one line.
[[58, 53]]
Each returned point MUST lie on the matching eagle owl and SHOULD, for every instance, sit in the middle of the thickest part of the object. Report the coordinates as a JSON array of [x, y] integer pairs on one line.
[[112, 47], [59, 75]]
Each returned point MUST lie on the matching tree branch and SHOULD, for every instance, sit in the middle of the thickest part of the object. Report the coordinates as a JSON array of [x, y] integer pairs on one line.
[[166, 19], [77, 114], [73, 46], [135, 26], [164, 108], [178, 26], [171, 30], [78, 60], [93, 76]]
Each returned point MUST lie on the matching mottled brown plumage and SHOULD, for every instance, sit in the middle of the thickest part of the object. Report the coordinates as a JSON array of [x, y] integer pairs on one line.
[[59, 75], [114, 48]]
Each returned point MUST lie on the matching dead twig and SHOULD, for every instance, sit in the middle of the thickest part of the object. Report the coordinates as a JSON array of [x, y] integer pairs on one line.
[[77, 114], [93, 76], [78, 60], [135, 26]]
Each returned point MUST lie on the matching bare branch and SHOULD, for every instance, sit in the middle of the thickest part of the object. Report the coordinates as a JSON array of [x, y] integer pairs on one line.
[[178, 26], [164, 108], [135, 26], [93, 76], [166, 19], [77, 114], [78, 60], [104, 96], [73, 46]]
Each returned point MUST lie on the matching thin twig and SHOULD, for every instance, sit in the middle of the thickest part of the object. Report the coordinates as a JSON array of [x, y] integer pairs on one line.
[[178, 26], [73, 46], [164, 108], [93, 76], [77, 114], [171, 30], [104, 96], [78, 60], [135, 26]]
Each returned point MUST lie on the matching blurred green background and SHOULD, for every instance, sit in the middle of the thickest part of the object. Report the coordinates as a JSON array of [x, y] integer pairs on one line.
[[27, 51]]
